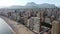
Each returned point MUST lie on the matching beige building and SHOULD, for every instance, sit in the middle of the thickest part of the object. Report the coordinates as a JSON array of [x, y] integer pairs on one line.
[[55, 27]]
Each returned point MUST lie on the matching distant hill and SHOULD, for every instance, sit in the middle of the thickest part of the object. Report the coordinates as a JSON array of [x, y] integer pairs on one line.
[[46, 5], [33, 5], [58, 6]]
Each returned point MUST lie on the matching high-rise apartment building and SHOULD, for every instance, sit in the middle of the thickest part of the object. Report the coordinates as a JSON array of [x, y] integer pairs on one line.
[[55, 27]]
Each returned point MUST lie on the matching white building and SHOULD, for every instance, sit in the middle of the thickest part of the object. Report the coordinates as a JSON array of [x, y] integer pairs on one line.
[[34, 24]]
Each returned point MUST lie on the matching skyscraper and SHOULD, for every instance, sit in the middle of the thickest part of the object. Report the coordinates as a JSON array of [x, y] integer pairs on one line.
[[55, 27]]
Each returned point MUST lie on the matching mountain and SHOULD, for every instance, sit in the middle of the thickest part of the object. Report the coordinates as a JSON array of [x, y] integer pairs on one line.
[[44, 5], [58, 6], [15, 7], [33, 5]]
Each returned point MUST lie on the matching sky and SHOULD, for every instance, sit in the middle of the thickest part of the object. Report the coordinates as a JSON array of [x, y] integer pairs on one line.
[[5, 3]]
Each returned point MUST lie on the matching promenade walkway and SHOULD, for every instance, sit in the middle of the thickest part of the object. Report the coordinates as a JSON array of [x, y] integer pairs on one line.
[[18, 28]]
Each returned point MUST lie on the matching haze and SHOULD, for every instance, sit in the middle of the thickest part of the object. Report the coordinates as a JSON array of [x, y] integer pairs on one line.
[[5, 3]]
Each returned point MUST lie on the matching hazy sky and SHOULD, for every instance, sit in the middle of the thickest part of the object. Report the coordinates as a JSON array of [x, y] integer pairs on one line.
[[4, 3]]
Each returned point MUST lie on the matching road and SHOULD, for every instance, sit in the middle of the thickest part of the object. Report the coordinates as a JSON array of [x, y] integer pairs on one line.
[[18, 28]]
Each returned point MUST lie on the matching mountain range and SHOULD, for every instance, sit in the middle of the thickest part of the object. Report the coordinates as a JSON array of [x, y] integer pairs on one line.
[[33, 5]]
